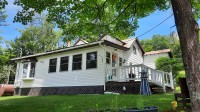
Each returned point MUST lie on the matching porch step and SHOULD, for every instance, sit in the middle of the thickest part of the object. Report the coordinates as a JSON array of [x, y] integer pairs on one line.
[[156, 90]]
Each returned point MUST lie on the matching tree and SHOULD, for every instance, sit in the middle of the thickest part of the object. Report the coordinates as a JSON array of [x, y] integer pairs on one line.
[[90, 17], [3, 16], [188, 31], [166, 64], [157, 42], [35, 39], [7, 70]]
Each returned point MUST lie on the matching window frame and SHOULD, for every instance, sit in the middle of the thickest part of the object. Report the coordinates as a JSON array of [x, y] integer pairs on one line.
[[28, 70], [77, 62], [120, 61], [52, 65], [109, 58], [64, 64], [96, 59]]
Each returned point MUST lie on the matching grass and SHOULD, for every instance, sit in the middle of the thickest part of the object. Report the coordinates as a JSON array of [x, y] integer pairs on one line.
[[81, 103]]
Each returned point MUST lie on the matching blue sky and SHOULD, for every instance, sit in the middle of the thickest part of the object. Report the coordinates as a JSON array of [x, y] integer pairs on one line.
[[11, 31]]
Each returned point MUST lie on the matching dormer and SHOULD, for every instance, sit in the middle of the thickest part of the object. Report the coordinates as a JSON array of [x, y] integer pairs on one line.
[[80, 42]]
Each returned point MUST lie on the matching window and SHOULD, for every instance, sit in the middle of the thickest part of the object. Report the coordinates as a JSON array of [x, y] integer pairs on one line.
[[134, 50], [64, 63], [107, 58], [91, 61], [120, 62], [52, 65], [29, 70], [77, 62]]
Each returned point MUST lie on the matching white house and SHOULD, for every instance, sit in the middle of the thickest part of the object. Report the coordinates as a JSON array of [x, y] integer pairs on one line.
[[84, 68], [150, 57]]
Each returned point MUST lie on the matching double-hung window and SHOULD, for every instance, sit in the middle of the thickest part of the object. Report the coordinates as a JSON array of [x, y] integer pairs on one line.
[[91, 61], [28, 70], [52, 65], [107, 58], [64, 61], [77, 62]]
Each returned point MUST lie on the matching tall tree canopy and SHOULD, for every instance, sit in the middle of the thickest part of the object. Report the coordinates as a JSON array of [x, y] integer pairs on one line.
[[87, 18], [90, 18], [157, 42], [35, 39]]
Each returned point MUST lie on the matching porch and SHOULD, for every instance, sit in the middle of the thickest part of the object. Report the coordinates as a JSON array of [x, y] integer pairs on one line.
[[126, 79]]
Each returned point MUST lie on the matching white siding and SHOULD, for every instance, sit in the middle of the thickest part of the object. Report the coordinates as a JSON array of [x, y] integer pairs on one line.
[[149, 60], [134, 58], [84, 77], [111, 50]]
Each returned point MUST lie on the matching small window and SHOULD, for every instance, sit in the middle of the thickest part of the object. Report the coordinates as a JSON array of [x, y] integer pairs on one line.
[[91, 61], [77, 62], [64, 63], [120, 62], [52, 65], [134, 50], [107, 58]]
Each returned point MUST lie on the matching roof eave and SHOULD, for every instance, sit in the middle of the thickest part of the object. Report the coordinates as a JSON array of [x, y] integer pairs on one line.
[[59, 51]]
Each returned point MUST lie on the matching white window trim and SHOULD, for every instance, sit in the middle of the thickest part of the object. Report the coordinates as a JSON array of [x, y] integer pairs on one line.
[[28, 72]]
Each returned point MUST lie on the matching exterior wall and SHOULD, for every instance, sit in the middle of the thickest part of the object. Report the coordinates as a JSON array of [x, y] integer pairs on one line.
[[149, 60], [134, 58], [84, 77], [111, 50]]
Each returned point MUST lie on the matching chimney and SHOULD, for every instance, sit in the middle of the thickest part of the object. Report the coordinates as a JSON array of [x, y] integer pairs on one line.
[[68, 43]]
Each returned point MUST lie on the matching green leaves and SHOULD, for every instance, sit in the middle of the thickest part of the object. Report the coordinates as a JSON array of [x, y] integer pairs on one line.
[[36, 39], [90, 18], [158, 42], [166, 64]]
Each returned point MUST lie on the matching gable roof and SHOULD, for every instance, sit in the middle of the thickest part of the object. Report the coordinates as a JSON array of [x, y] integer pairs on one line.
[[80, 40], [160, 52], [130, 41]]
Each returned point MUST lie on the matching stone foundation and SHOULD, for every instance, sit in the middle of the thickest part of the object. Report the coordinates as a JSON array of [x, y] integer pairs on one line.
[[40, 91]]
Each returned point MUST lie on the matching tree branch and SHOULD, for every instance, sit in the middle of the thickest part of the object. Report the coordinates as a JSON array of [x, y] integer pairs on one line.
[[120, 13]]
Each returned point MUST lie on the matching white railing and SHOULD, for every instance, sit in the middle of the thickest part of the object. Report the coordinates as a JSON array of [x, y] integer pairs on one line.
[[133, 72]]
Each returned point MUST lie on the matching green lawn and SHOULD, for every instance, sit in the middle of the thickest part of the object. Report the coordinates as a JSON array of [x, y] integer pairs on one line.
[[81, 103]]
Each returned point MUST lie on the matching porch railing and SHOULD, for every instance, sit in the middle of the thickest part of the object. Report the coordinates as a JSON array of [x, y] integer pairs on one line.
[[132, 72]]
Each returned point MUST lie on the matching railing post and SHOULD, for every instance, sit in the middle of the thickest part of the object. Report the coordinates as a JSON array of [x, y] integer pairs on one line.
[[171, 80], [163, 82]]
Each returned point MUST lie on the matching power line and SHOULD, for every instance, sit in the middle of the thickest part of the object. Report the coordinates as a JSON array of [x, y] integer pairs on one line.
[[155, 26]]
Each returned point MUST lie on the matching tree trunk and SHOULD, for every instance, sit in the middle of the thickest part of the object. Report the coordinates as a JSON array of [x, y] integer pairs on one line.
[[188, 32]]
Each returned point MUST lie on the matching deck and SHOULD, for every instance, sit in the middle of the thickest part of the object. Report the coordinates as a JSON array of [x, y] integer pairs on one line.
[[124, 77]]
